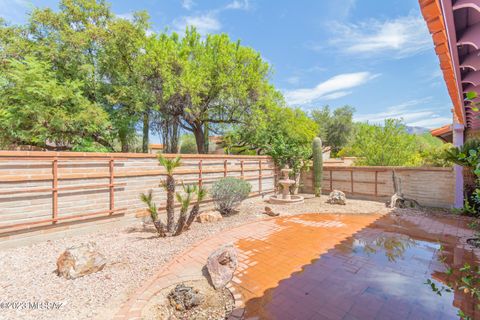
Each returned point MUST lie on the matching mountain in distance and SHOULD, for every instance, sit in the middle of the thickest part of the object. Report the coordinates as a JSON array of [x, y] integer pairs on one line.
[[416, 130]]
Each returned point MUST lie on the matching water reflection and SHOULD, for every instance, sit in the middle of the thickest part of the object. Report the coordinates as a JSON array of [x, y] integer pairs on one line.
[[374, 271], [393, 246]]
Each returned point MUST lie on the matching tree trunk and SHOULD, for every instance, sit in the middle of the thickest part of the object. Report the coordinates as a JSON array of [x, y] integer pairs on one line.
[[181, 221], [193, 214], [170, 186], [200, 139], [206, 140], [146, 130], [123, 142]]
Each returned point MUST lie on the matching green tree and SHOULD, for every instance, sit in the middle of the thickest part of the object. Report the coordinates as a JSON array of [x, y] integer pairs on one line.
[[39, 110], [188, 144], [84, 41], [216, 81], [336, 128], [125, 93], [284, 133], [387, 145]]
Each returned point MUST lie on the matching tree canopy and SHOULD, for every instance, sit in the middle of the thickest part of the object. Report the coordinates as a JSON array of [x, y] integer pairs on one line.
[[37, 109], [283, 133], [335, 129], [391, 145], [159, 82]]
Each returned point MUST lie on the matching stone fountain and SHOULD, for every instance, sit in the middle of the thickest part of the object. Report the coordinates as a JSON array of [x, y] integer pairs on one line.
[[286, 197]]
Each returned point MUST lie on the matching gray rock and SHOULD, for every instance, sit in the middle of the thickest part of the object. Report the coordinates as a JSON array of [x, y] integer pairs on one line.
[[221, 265], [79, 261], [183, 297], [337, 197]]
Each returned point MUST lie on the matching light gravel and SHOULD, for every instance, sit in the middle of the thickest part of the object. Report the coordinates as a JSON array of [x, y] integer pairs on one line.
[[134, 254]]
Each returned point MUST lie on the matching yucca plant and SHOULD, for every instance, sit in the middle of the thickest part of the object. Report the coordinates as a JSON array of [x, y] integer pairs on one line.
[[201, 193], [184, 204], [152, 209], [169, 185], [184, 198]]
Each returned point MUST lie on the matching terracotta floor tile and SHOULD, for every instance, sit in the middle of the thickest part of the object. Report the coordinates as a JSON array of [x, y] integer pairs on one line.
[[343, 267]]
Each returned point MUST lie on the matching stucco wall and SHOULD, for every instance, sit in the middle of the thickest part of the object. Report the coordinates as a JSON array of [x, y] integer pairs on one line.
[[431, 187], [26, 185]]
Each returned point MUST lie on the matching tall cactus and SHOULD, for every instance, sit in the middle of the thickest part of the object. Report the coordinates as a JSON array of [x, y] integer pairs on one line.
[[317, 166]]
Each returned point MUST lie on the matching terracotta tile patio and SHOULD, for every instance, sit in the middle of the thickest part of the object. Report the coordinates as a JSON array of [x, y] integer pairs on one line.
[[315, 266]]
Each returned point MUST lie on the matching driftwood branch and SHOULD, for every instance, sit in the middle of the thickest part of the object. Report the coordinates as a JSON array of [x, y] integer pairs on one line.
[[398, 200]]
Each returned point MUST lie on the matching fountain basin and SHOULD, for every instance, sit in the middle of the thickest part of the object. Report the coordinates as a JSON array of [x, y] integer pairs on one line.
[[277, 199]]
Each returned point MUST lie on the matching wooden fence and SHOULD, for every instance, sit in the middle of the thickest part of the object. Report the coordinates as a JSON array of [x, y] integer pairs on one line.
[[433, 187], [39, 189]]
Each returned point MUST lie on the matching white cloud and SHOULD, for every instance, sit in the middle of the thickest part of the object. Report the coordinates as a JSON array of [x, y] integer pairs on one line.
[[238, 5], [293, 80], [400, 37], [336, 95], [206, 23], [432, 123], [187, 4], [411, 112], [331, 89], [127, 16], [341, 8]]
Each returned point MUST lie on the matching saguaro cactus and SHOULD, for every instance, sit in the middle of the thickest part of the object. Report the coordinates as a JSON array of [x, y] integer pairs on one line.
[[317, 166]]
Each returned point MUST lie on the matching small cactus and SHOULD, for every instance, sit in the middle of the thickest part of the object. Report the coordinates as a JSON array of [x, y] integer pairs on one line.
[[317, 166]]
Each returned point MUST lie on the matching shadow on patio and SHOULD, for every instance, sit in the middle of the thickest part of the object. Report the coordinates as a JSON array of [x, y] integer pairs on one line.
[[355, 267]]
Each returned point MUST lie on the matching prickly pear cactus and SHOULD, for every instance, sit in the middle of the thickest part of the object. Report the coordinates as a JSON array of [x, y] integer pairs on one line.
[[317, 166]]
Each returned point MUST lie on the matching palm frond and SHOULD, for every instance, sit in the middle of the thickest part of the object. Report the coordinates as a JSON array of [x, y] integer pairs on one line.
[[169, 164], [201, 193], [184, 201], [147, 198], [152, 207], [190, 188]]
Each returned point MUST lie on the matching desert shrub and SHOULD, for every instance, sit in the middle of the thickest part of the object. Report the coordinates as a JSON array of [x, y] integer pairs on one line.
[[228, 193]]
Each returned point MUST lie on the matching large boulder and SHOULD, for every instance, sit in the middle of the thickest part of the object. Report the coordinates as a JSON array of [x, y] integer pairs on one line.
[[79, 261], [337, 197], [209, 216], [221, 265]]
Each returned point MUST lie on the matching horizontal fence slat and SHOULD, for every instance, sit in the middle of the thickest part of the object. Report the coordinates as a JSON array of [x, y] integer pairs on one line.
[[85, 185]]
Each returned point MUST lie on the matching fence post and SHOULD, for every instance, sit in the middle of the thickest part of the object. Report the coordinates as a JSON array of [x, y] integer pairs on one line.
[[54, 190], [241, 168], [331, 180], [260, 176], [351, 180], [200, 173], [376, 183], [111, 185], [225, 168]]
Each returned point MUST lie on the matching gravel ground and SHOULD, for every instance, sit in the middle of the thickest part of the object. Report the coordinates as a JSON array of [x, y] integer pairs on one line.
[[134, 254]]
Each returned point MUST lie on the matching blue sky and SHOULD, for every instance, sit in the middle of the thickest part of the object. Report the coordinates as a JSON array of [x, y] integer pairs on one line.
[[376, 56]]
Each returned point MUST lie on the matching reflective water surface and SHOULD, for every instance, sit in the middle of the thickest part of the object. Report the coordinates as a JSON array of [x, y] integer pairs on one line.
[[356, 267]]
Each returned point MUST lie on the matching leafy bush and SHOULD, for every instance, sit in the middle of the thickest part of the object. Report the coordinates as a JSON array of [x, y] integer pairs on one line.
[[228, 193], [188, 144], [466, 155]]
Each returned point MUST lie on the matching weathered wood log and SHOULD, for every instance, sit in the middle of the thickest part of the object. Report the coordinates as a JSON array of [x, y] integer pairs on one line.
[[398, 200]]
